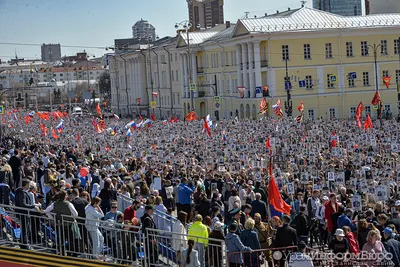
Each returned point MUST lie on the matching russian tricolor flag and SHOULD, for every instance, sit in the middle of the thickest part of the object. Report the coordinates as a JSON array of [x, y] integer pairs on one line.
[[60, 126], [130, 125], [129, 133]]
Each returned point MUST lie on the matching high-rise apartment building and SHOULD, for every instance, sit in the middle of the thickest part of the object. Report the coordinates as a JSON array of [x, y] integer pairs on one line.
[[51, 52], [205, 13], [143, 29], [339, 7], [382, 6]]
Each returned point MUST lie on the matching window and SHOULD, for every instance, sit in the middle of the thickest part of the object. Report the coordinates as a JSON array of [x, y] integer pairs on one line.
[[63, 74], [309, 84], [332, 113], [351, 82], [352, 112], [328, 50], [307, 51], [388, 108], [385, 73], [329, 84], [367, 110], [311, 114], [163, 61], [384, 49], [177, 76], [364, 48], [396, 46], [285, 52], [397, 76], [232, 61], [172, 76], [226, 59], [176, 57], [366, 78], [164, 79], [172, 58]]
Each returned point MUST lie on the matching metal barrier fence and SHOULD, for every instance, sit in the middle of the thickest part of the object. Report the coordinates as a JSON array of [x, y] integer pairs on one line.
[[28, 229], [102, 240], [162, 220], [166, 248]]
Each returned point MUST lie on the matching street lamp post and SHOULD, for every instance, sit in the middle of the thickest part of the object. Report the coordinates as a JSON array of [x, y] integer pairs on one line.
[[126, 85], [288, 103], [151, 71], [158, 80], [375, 48], [187, 25], [116, 82]]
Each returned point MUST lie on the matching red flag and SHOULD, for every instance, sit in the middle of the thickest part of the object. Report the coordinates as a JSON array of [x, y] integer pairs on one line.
[[368, 122], [153, 117], [359, 111], [376, 99], [274, 196], [44, 129], [54, 134], [98, 109], [155, 94], [301, 107], [386, 81], [207, 127], [140, 117], [263, 106], [78, 138], [138, 101], [268, 145], [191, 116]]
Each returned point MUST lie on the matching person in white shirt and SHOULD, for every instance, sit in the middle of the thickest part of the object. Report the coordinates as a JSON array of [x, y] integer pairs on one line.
[[179, 232], [300, 259]]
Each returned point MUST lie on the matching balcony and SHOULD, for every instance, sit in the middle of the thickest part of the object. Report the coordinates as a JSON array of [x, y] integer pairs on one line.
[[200, 69], [264, 63]]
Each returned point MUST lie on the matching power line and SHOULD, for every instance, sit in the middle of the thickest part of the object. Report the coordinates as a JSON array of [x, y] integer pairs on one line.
[[69, 46]]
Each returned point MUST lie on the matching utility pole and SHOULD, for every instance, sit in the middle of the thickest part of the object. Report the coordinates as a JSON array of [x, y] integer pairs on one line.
[[398, 80], [288, 103], [151, 72], [158, 80], [375, 48], [170, 80], [126, 85], [116, 82], [189, 65]]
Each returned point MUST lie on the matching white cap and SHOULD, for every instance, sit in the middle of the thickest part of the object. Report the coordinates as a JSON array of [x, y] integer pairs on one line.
[[397, 203]]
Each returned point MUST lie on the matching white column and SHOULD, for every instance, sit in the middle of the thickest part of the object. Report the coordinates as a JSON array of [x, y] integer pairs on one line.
[[186, 80], [251, 71], [141, 89], [194, 72], [238, 66], [244, 63], [183, 75], [257, 62]]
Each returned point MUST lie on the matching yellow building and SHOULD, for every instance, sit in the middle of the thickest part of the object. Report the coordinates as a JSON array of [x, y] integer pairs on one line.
[[328, 59]]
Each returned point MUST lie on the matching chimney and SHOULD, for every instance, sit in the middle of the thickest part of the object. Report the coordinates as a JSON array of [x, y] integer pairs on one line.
[[288, 8], [265, 14], [277, 12], [228, 24]]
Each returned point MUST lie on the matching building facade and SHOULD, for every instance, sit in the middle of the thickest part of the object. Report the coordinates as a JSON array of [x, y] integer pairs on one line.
[[205, 13], [143, 29], [326, 60], [339, 7], [147, 80], [382, 6], [51, 52]]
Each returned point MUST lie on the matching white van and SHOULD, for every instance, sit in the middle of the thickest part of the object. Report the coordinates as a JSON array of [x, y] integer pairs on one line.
[[77, 111]]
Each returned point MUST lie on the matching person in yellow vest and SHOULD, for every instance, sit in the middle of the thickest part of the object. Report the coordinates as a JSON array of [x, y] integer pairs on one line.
[[199, 233]]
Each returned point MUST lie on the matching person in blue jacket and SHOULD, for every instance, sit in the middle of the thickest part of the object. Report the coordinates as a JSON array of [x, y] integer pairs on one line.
[[234, 246], [345, 220], [185, 192], [249, 238]]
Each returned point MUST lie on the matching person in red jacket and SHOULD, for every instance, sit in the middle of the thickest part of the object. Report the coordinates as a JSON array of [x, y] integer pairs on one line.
[[351, 238], [330, 208]]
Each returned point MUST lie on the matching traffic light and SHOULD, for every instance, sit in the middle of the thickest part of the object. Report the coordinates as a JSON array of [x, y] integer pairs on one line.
[[31, 81]]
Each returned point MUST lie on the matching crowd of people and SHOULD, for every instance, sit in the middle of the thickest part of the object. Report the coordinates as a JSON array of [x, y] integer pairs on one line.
[[340, 181]]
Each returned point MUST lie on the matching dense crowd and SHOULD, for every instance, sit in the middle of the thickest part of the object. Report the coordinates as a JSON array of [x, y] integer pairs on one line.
[[340, 182]]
